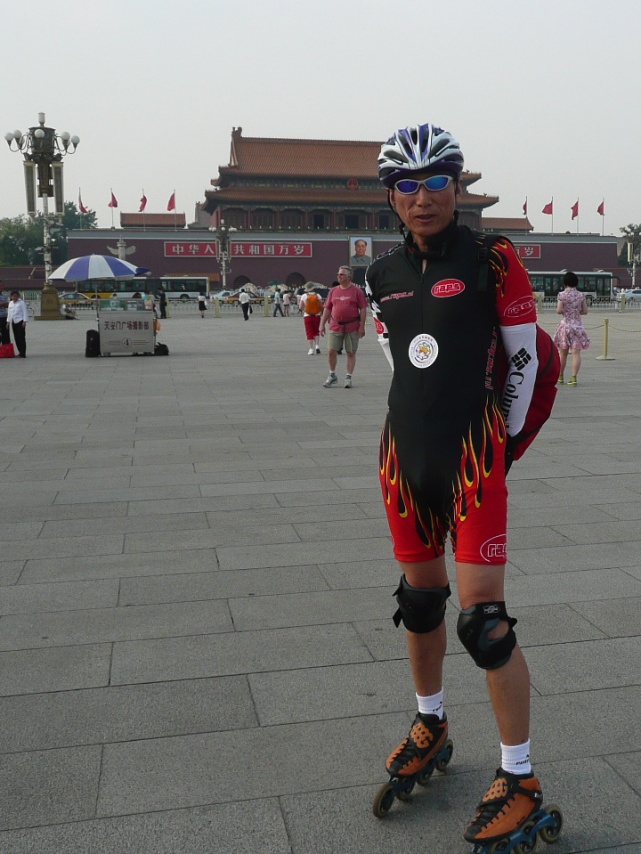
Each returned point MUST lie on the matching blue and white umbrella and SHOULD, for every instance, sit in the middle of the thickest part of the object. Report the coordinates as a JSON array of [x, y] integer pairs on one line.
[[96, 267]]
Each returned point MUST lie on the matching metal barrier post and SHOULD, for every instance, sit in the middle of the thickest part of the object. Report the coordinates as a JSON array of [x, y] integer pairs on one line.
[[604, 356], [217, 312]]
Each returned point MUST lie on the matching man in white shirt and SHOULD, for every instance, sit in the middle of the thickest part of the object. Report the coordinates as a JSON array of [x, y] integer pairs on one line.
[[244, 300], [18, 319]]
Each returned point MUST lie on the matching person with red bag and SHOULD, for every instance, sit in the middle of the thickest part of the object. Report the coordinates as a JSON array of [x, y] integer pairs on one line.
[[19, 317]]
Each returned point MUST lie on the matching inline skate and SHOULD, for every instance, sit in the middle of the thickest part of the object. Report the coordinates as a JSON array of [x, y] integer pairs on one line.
[[426, 747], [510, 817]]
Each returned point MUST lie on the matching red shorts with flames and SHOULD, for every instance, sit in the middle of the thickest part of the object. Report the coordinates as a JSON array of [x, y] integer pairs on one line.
[[465, 498]]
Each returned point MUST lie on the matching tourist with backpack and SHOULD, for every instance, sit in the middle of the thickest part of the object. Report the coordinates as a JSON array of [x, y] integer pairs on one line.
[[456, 318], [311, 306]]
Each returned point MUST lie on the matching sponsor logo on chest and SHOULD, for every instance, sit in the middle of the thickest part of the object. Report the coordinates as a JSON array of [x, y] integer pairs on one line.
[[448, 288]]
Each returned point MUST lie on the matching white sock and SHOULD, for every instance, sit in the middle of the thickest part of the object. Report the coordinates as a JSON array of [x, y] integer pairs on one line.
[[515, 758], [431, 705]]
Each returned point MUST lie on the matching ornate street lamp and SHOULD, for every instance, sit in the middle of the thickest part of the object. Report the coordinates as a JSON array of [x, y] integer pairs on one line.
[[43, 150], [222, 233]]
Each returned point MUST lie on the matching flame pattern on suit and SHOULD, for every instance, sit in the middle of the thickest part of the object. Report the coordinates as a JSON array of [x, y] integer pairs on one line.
[[418, 528], [398, 496], [477, 459]]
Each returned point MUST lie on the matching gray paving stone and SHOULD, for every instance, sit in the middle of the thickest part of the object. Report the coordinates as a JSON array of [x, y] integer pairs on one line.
[[205, 769], [235, 653], [572, 558], [32, 671], [98, 625], [325, 693], [31, 598], [570, 587], [219, 585], [299, 554], [124, 713], [249, 534], [240, 828], [118, 566], [54, 512], [67, 547], [10, 572], [124, 525], [616, 618], [604, 663], [313, 608], [45, 787]]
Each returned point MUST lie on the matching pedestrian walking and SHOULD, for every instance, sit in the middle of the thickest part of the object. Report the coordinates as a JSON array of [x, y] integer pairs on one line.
[[346, 311], [570, 333], [311, 306], [278, 303]]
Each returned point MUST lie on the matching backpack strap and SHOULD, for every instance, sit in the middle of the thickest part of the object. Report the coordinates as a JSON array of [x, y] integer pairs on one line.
[[483, 257]]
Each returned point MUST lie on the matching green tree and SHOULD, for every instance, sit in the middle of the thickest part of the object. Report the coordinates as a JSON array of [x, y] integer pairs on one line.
[[633, 236], [22, 238]]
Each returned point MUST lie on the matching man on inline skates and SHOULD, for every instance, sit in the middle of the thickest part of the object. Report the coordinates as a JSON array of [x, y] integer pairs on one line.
[[452, 417]]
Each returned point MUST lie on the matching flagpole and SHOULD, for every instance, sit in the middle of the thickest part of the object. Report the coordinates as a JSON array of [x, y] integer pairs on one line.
[[603, 217], [175, 219], [112, 207], [577, 215], [552, 232]]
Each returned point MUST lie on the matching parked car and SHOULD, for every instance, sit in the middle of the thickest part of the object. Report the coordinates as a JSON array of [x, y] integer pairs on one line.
[[633, 295], [253, 297], [76, 300]]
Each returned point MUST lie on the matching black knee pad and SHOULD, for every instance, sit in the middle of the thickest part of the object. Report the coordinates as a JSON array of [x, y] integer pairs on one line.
[[473, 627], [421, 609]]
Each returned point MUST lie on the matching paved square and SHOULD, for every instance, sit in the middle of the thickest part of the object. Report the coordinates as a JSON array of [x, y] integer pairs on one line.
[[196, 645]]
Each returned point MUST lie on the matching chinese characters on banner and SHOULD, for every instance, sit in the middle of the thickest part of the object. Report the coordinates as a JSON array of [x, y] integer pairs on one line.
[[256, 249], [529, 251]]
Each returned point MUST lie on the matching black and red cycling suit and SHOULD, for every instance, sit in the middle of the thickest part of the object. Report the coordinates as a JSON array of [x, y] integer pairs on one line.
[[442, 457]]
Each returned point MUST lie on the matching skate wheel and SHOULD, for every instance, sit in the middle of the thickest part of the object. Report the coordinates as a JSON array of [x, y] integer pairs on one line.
[[424, 778], [444, 761], [528, 845], [383, 800], [406, 791], [552, 833]]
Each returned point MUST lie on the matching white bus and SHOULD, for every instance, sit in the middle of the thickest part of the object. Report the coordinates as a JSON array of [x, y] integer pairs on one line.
[[183, 288]]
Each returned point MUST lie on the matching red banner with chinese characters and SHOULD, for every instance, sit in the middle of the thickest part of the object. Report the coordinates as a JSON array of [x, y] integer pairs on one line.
[[530, 250], [254, 249]]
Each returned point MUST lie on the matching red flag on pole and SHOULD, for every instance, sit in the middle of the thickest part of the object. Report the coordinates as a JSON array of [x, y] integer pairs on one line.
[[548, 209], [114, 201], [525, 207], [171, 204], [81, 207], [601, 208], [575, 209], [143, 202]]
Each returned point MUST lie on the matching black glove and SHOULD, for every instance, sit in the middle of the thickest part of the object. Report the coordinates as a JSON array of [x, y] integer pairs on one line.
[[510, 445]]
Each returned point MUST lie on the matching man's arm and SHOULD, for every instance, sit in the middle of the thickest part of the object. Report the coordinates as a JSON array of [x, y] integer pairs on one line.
[[379, 325]]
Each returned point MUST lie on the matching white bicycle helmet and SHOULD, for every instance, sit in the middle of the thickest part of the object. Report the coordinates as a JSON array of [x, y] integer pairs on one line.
[[417, 148]]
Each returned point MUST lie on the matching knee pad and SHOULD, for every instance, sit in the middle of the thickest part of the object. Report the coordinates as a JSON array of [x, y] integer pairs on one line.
[[421, 609], [473, 627]]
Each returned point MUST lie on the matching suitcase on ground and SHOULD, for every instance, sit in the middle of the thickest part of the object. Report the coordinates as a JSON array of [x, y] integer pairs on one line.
[[92, 347], [7, 351]]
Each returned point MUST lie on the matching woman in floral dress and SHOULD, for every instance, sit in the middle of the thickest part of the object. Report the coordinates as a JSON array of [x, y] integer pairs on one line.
[[570, 334]]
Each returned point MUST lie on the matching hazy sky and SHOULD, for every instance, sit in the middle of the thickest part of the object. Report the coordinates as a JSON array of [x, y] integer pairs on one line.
[[543, 96]]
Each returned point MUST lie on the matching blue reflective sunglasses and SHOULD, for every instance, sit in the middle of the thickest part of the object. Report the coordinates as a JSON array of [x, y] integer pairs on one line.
[[435, 183]]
